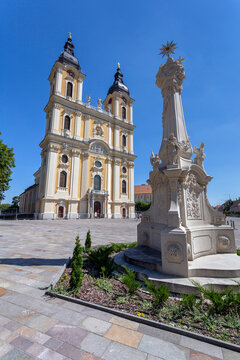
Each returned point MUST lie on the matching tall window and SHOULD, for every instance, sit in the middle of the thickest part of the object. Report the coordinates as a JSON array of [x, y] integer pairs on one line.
[[97, 182], [67, 122], [124, 187], [124, 140], [63, 179], [69, 89], [124, 113]]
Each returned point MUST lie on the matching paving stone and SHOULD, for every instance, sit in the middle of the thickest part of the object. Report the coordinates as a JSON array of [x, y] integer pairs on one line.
[[8, 335], [41, 323], [89, 357], [48, 354], [195, 355], [24, 315], [95, 325], [202, 347], [69, 316], [12, 325], [40, 338], [118, 351], [70, 351], [95, 344], [159, 333], [73, 306], [3, 320], [35, 349], [151, 357], [16, 354], [162, 348], [53, 344], [5, 348], [26, 331], [101, 315], [124, 336], [67, 333], [230, 355], [3, 291], [124, 322], [21, 343]]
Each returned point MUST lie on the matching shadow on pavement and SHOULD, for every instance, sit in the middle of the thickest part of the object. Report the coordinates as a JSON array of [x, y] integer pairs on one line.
[[33, 261]]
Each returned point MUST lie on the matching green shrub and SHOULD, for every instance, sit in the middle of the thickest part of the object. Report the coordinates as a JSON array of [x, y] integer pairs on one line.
[[238, 252], [221, 301], [101, 260], [188, 301], [160, 293], [142, 206], [122, 246], [88, 242], [76, 265], [104, 284], [129, 279]]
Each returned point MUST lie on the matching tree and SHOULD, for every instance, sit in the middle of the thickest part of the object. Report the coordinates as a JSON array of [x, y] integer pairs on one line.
[[142, 206], [6, 163], [15, 202], [88, 242], [76, 265], [227, 205]]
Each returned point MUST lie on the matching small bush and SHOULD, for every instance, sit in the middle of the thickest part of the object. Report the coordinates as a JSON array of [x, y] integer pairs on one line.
[[129, 279], [238, 252], [101, 260], [188, 301], [221, 301], [76, 265], [88, 242], [117, 247], [104, 284], [160, 293]]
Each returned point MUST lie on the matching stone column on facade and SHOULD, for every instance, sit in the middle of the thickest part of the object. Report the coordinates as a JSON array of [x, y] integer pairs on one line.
[[131, 143], [86, 127], [116, 186], [130, 113], [74, 184], [77, 129], [109, 134], [84, 183], [131, 190], [79, 90], [55, 118], [116, 106], [58, 84], [109, 187], [116, 138]]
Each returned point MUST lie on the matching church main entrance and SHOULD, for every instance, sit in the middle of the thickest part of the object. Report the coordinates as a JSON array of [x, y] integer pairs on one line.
[[60, 211], [97, 209]]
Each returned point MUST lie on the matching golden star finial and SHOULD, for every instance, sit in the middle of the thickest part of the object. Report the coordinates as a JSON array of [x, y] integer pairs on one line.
[[69, 35], [168, 49], [118, 65]]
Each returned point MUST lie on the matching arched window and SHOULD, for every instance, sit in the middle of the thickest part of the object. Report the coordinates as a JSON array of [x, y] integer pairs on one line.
[[124, 140], [124, 170], [63, 179], [124, 113], [97, 182], [67, 122], [124, 187], [69, 89]]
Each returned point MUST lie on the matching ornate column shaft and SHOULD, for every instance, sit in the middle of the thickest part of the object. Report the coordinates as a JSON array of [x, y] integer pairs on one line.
[[116, 138], [109, 134], [131, 182], [130, 113], [84, 175], [116, 106], [75, 174], [116, 175], [58, 84], [77, 125], [51, 170], [131, 143], [109, 178], [79, 90], [86, 127], [55, 118]]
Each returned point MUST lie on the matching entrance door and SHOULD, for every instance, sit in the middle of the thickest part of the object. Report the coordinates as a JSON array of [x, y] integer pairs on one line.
[[97, 209], [60, 211], [124, 213]]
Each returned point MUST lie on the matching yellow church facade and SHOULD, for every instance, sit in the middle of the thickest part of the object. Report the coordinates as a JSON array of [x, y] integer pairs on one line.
[[87, 158]]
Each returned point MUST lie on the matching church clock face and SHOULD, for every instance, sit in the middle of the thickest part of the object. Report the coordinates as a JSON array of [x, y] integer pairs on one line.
[[98, 163]]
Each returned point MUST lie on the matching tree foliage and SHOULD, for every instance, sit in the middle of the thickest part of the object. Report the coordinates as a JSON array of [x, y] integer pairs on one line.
[[227, 205], [76, 264], [6, 164], [15, 202], [142, 206], [88, 242]]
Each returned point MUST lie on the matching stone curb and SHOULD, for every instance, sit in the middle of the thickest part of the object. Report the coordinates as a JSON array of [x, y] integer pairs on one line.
[[137, 319]]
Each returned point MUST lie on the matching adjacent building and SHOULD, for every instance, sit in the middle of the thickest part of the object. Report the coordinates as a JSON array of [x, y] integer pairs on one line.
[[143, 193], [87, 158]]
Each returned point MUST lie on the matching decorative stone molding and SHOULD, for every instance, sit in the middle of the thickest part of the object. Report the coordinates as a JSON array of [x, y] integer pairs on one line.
[[53, 147], [97, 148], [174, 253], [117, 161], [223, 242], [78, 113], [57, 106], [76, 152]]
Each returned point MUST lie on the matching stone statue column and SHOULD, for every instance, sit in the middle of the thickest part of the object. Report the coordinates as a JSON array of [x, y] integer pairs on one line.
[[169, 79]]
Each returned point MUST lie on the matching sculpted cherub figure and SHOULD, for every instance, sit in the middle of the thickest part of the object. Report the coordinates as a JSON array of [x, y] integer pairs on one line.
[[154, 160], [200, 156]]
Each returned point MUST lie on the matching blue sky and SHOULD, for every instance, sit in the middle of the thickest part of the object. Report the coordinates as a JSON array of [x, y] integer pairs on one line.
[[105, 32]]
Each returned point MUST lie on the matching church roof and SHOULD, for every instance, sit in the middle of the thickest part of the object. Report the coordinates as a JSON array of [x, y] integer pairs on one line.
[[118, 84], [67, 56], [142, 189]]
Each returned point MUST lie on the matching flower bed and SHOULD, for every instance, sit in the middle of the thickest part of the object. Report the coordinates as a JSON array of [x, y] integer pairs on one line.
[[212, 314]]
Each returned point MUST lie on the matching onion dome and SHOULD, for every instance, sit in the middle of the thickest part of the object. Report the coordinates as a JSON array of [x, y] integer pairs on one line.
[[67, 56], [118, 84]]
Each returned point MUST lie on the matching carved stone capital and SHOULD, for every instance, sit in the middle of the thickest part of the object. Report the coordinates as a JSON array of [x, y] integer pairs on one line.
[[170, 77], [117, 162], [131, 165], [56, 106], [78, 113], [76, 152], [53, 147]]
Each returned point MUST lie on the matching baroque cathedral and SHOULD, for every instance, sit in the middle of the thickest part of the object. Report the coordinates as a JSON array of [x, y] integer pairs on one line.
[[87, 158]]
